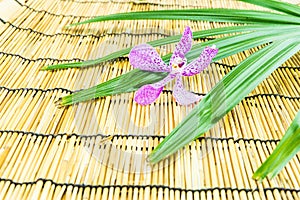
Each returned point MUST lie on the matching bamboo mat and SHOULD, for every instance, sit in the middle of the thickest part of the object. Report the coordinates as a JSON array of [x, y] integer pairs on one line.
[[52, 153]]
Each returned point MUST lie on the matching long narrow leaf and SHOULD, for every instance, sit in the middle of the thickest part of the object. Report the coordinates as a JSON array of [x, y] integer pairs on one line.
[[212, 14], [128, 82], [283, 153], [225, 95], [277, 5]]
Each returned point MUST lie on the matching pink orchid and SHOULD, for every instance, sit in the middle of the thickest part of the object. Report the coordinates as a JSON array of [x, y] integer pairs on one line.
[[146, 58]]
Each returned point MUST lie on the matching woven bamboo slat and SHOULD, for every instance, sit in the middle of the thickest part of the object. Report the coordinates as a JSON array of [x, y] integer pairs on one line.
[[97, 149]]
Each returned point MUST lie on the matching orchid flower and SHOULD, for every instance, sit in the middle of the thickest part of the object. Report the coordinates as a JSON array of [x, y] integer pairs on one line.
[[146, 58]]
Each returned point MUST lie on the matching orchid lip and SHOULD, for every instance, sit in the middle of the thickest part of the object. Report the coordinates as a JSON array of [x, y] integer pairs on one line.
[[179, 62]]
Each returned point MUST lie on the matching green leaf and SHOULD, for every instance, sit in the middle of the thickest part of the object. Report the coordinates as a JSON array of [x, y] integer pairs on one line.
[[225, 95], [128, 82], [211, 14], [287, 148], [286, 8]]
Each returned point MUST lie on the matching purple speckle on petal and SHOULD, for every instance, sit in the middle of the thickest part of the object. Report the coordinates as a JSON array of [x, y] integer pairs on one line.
[[182, 96], [147, 95], [184, 45], [146, 58], [211, 52], [199, 64]]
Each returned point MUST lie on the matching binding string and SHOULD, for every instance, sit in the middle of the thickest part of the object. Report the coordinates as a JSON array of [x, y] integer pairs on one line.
[[85, 35], [44, 180], [42, 59], [36, 89], [165, 91], [233, 66], [143, 136], [2, 20]]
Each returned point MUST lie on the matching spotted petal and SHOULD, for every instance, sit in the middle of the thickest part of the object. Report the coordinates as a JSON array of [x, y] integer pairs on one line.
[[146, 58], [147, 94], [183, 46], [182, 96], [199, 64]]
